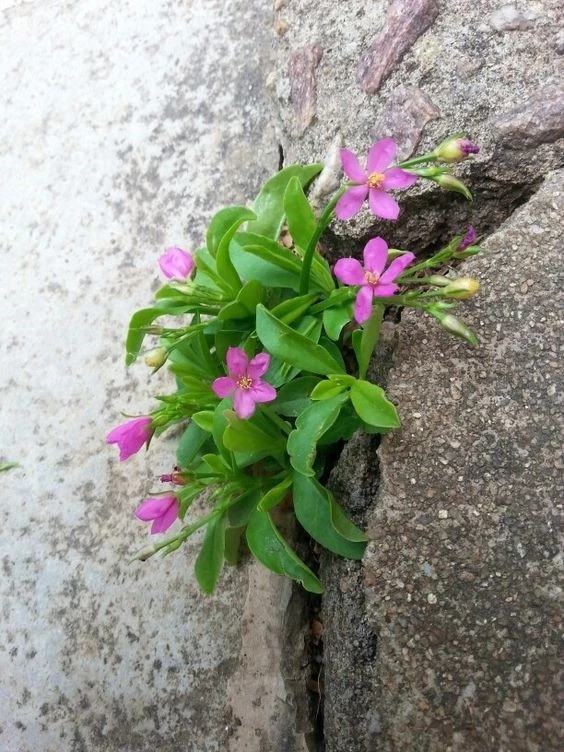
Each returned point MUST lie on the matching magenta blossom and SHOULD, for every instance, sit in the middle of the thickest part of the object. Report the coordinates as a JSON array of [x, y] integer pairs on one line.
[[176, 263], [373, 280], [469, 239], [161, 510], [130, 436], [244, 381], [374, 182]]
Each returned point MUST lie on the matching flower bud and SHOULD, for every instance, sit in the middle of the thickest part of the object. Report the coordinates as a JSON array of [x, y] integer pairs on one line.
[[450, 183], [453, 325], [469, 239], [462, 288], [156, 358], [455, 149], [437, 281]]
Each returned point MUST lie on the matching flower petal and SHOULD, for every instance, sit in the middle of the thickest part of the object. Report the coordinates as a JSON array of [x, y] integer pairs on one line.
[[383, 205], [351, 201], [381, 155], [262, 391], [375, 255], [395, 177], [363, 304], [243, 403], [154, 507], [237, 362], [385, 291], [397, 267], [163, 522], [176, 263], [351, 166], [349, 271], [130, 436], [224, 386], [259, 365]]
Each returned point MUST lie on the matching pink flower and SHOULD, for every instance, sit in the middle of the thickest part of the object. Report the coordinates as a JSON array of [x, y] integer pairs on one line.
[[378, 178], [244, 381], [176, 263], [374, 281], [162, 510], [130, 436]]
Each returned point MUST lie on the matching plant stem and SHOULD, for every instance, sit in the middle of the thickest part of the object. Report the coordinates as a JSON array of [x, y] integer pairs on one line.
[[322, 224], [417, 160]]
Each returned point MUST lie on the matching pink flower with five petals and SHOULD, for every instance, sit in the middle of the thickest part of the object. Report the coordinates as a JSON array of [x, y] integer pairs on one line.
[[373, 280], [161, 510], [244, 381], [374, 182]]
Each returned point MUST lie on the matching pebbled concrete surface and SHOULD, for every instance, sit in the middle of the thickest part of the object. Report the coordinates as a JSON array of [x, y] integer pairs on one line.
[[124, 126], [455, 638]]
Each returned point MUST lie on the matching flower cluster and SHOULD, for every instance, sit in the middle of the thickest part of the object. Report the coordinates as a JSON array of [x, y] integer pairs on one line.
[[262, 358]]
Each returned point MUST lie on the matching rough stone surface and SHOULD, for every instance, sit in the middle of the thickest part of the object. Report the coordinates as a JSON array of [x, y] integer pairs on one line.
[[470, 74], [125, 125], [461, 601]]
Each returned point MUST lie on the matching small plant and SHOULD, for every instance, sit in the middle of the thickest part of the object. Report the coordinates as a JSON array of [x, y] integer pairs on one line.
[[271, 356]]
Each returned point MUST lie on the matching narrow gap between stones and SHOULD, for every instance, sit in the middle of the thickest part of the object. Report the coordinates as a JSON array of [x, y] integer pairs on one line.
[[381, 366]]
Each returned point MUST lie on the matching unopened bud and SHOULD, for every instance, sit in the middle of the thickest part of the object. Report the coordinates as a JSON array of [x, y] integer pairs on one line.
[[450, 183], [437, 281], [469, 239], [453, 325], [455, 149], [156, 358], [462, 288]]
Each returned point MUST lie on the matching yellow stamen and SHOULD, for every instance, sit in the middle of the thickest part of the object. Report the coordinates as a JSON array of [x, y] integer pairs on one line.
[[245, 382], [371, 278], [375, 179]]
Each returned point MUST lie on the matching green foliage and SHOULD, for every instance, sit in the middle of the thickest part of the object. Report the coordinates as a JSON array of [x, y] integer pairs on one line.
[[254, 292]]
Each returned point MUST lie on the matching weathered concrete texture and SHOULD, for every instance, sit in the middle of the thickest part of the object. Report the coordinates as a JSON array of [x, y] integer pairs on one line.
[[125, 124], [461, 581], [404, 70]]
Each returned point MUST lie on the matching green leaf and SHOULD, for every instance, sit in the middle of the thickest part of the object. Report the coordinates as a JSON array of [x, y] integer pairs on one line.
[[324, 390], [269, 204], [372, 405], [250, 295], [310, 427], [294, 308], [210, 559], [365, 339], [316, 511], [299, 215], [233, 537], [204, 420], [270, 548], [4, 466], [345, 527], [251, 266], [241, 510], [291, 347], [225, 267], [190, 444], [245, 436], [294, 397], [222, 224], [216, 464], [334, 319], [275, 495], [281, 372]]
